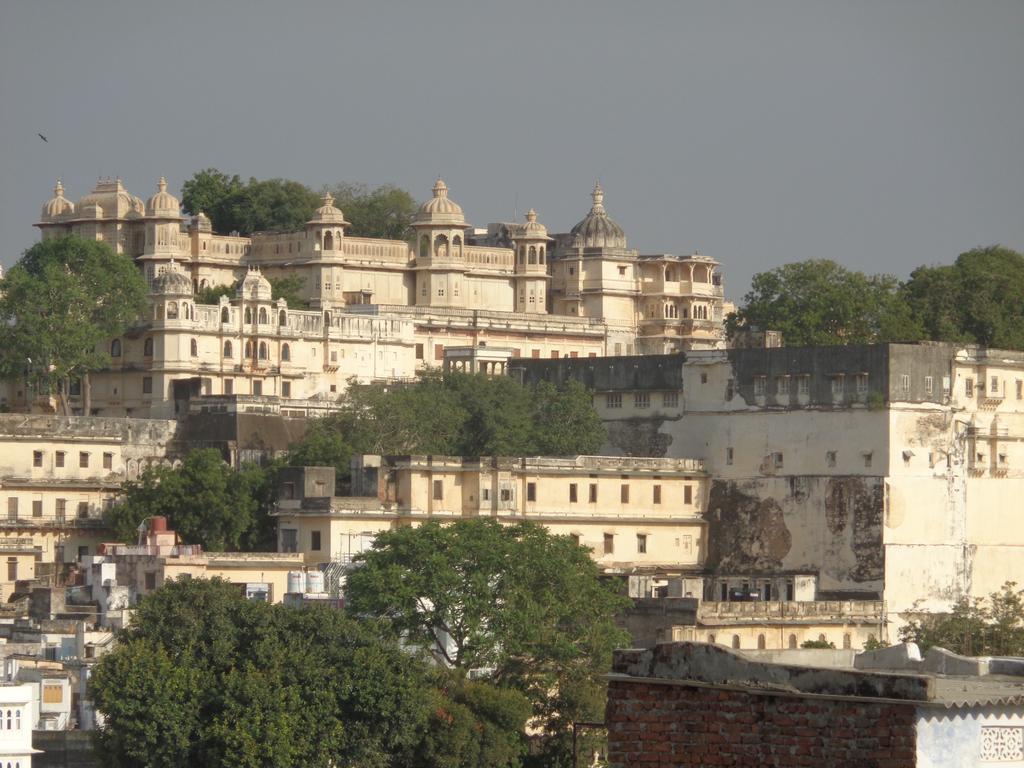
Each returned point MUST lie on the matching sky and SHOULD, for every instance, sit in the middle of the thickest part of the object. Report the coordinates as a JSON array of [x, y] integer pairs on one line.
[[880, 134]]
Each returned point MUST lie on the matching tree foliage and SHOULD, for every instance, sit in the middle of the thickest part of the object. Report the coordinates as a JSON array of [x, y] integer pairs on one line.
[[819, 302], [455, 414], [280, 205], [206, 678], [992, 626], [516, 600], [59, 305], [204, 500]]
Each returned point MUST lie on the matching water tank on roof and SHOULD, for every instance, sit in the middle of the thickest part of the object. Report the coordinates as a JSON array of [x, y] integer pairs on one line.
[[157, 524], [315, 583], [296, 582]]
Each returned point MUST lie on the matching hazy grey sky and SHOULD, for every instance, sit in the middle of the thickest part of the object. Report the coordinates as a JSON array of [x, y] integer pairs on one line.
[[880, 134]]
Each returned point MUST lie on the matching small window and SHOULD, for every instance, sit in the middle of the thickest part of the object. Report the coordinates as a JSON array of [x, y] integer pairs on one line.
[[150, 581], [12, 507], [593, 493], [609, 543], [229, 386], [194, 348], [37, 508], [419, 351], [862, 383], [622, 270], [641, 543], [613, 400], [777, 460], [439, 351], [314, 541], [624, 493], [736, 642], [12, 575], [108, 461], [257, 386], [782, 385], [838, 385], [60, 458], [147, 385], [83, 510], [1020, 389], [759, 386], [729, 454], [147, 347], [438, 490], [531, 491], [657, 494], [867, 458], [115, 348], [803, 384], [642, 399], [485, 494], [969, 387], [670, 399], [830, 458], [929, 384], [83, 460], [703, 378], [228, 349], [37, 458], [572, 493], [688, 494], [286, 353], [792, 641], [761, 643], [994, 385]]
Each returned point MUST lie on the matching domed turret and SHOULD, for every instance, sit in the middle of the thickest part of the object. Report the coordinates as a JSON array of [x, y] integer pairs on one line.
[[163, 203], [172, 280], [109, 199], [255, 286], [328, 214], [58, 205], [533, 228], [440, 209], [598, 229]]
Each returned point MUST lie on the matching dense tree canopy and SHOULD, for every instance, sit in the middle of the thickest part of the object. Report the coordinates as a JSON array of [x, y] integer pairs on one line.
[[992, 626], [59, 305], [206, 678], [516, 600], [819, 302], [280, 205], [455, 414], [204, 500]]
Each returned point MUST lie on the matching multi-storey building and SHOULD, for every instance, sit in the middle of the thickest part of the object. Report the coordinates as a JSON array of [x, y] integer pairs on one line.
[[887, 473], [373, 308]]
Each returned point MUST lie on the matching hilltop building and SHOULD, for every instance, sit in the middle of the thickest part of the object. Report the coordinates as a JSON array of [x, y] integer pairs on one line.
[[375, 309]]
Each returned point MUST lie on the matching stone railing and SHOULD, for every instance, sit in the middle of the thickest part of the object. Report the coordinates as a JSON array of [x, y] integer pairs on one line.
[[766, 610]]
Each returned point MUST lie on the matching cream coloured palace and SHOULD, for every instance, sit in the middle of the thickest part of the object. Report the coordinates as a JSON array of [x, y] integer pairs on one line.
[[374, 309]]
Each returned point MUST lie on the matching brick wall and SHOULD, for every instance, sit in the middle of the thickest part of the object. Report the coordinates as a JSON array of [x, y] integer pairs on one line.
[[652, 724]]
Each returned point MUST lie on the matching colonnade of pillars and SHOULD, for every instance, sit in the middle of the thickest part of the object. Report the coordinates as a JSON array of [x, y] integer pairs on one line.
[[488, 367]]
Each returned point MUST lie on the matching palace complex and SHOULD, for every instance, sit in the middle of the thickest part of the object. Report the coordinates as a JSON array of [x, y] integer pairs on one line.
[[374, 309]]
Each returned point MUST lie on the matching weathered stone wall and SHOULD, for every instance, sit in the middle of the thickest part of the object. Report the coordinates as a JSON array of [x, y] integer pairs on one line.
[[64, 749]]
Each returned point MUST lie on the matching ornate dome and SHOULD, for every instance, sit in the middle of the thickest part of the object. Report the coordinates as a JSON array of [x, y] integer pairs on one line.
[[255, 286], [58, 205], [163, 203], [440, 209], [598, 229], [532, 228], [110, 198], [172, 280], [328, 214]]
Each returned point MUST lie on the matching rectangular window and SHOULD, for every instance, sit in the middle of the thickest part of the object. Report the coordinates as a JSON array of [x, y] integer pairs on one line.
[[1020, 389], [830, 458], [485, 494], [108, 461], [147, 385], [624, 493], [670, 399], [929, 384], [642, 399], [506, 494], [12, 575], [729, 453], [838, 385], [150, 581], [83, 460], [703, 378], [60, 511], [862, 383], [37, 458], [867, 458], [37, 508], [777, 460], [994, 388], [613, 400], [905, 382], [289, 540], [60, 458], [419, 351], [803, 384], [531, 491], [83, 510], [12, 507], [641, 543], [257, 387], [759, 385], [286, 389], [535, 353], [229, 386], [657, 494], [609, 543], [314, 541], [730, 388], [439, 351], [554, 352], [572, 493], [969, 387], [782, 385], [688, 494], [593, 493], [438, 490]]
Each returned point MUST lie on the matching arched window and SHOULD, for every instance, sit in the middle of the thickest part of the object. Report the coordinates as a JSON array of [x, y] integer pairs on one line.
[[736, 641], [194, 348], [328, 241], [540, 254], [264, 319], [441, 246], [327, 319], [186, 311], [225, 315], [532, 258], [457, 245], [792, 641], [821, 638], [10, 723], [172, 310], [760, 643], [228, 349], [17, 719], [711, 638], [115, 348], [522, 254], [424, 246], [248, 349], [147, 347], [263, 350], [282, 318], [286, 353], [248, 315]]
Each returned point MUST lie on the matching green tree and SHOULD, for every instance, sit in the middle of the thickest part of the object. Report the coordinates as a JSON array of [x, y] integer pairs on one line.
[[382, 212], [59, 306], [992, 626], [565, 420], [204, 500], [212, 192], [979, 298], [526, 605], [819, 302]]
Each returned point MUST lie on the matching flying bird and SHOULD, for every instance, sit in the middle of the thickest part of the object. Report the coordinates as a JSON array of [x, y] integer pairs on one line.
[[43, 138]]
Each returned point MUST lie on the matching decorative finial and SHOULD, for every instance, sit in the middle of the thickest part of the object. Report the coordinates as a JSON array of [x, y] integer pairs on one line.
[[328, 200], [440, 188], [162, 184], [598, 195], [58, 191], [531, 215]]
